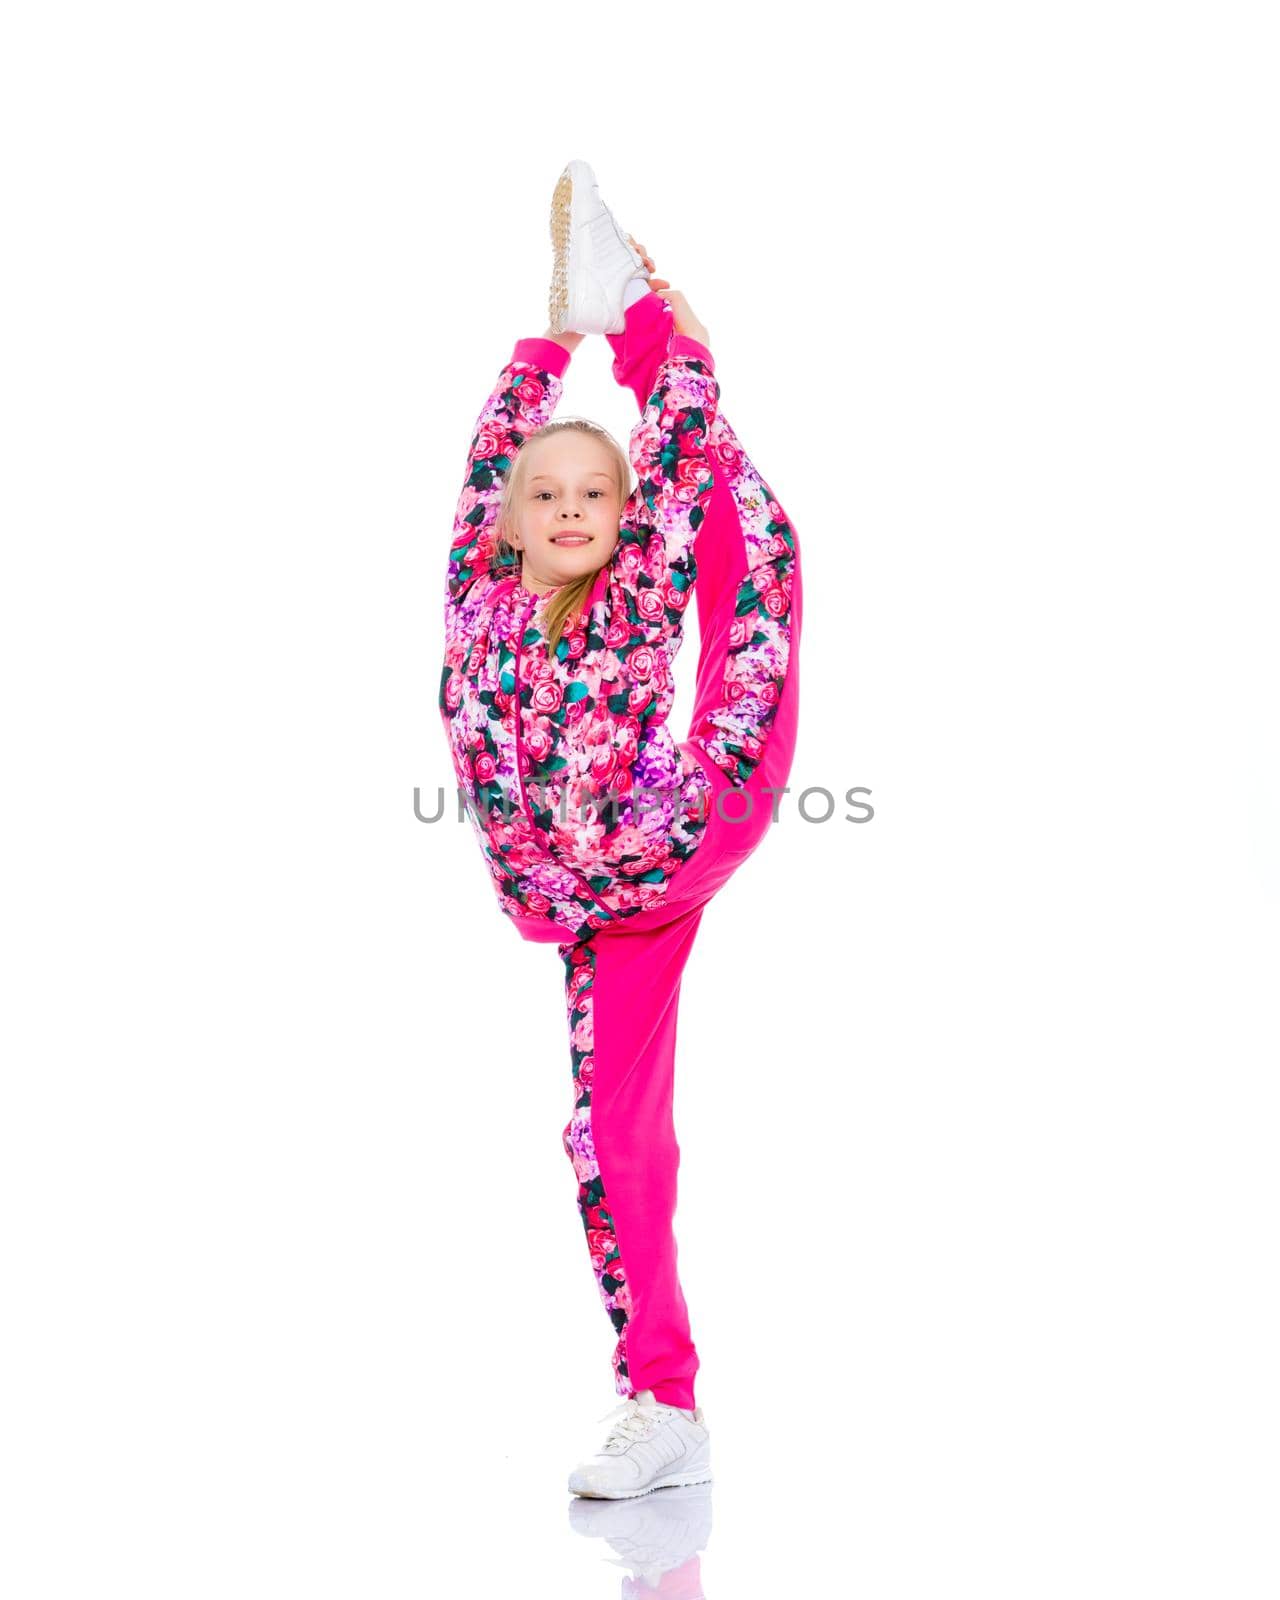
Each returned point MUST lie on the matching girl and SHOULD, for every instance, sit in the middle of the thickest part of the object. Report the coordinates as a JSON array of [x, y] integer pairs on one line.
[[566, 596]]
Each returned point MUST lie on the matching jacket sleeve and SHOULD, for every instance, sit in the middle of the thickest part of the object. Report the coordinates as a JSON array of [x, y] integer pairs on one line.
[[653, 564], [523, 399]]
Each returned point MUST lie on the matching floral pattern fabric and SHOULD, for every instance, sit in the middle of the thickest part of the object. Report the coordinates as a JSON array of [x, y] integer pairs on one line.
[[582, 801]]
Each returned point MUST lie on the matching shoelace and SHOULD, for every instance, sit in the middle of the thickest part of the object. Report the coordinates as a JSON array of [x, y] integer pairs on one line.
[[634, 1421]]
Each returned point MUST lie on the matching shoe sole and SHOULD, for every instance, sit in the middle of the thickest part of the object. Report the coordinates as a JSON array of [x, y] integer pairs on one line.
[[677, 1480], [561, 216]]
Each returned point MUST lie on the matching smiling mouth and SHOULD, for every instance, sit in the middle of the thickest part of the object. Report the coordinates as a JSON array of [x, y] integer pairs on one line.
[[572, 538]]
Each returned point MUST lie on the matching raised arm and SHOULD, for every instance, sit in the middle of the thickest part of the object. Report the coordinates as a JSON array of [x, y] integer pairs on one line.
[[523, 399], [654, 566]]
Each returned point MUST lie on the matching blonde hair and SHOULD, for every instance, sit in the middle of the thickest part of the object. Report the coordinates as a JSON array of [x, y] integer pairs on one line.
[[572, 597]]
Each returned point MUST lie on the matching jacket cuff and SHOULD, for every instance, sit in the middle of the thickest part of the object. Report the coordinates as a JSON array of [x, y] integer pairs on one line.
[[682, 345], [544, 353]]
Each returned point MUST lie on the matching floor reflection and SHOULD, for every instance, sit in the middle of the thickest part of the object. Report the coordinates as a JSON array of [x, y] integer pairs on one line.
[[656, 1537]]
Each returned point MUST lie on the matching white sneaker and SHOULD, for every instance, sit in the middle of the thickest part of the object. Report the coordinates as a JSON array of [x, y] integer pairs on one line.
[[650, 1446], [594, 261]]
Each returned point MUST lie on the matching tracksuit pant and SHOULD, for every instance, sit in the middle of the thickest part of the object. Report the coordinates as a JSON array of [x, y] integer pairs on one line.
[[622, 983]]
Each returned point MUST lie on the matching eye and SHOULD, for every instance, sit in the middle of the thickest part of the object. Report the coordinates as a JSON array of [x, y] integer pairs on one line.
[[596, 491]]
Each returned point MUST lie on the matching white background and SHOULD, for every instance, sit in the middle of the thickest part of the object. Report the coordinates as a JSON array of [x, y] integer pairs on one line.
[[976, 1101]]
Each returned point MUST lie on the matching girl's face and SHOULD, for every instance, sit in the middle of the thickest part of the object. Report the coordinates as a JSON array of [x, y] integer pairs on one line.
[[568, 513]]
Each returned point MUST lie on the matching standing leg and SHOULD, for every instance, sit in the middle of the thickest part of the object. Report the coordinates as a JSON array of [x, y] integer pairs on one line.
[[623, 991]]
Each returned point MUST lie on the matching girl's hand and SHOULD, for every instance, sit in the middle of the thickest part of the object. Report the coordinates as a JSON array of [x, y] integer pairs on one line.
[[654, 283], [685, 320]]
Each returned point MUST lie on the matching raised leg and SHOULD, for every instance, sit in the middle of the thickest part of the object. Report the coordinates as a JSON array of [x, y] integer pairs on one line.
[[639, 350], [747, 588], [749, 597]]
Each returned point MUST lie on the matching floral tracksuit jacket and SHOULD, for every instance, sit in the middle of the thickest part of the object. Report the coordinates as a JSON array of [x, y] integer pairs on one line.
[[551, 749]]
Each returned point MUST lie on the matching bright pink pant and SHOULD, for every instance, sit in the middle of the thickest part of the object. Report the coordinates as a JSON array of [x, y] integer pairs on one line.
[[623, 982]]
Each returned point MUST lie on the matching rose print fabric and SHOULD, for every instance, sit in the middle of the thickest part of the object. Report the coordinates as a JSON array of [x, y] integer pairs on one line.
[[582, 802]]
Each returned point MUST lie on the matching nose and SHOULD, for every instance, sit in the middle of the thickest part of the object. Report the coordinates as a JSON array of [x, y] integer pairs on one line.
[[570, 511]]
